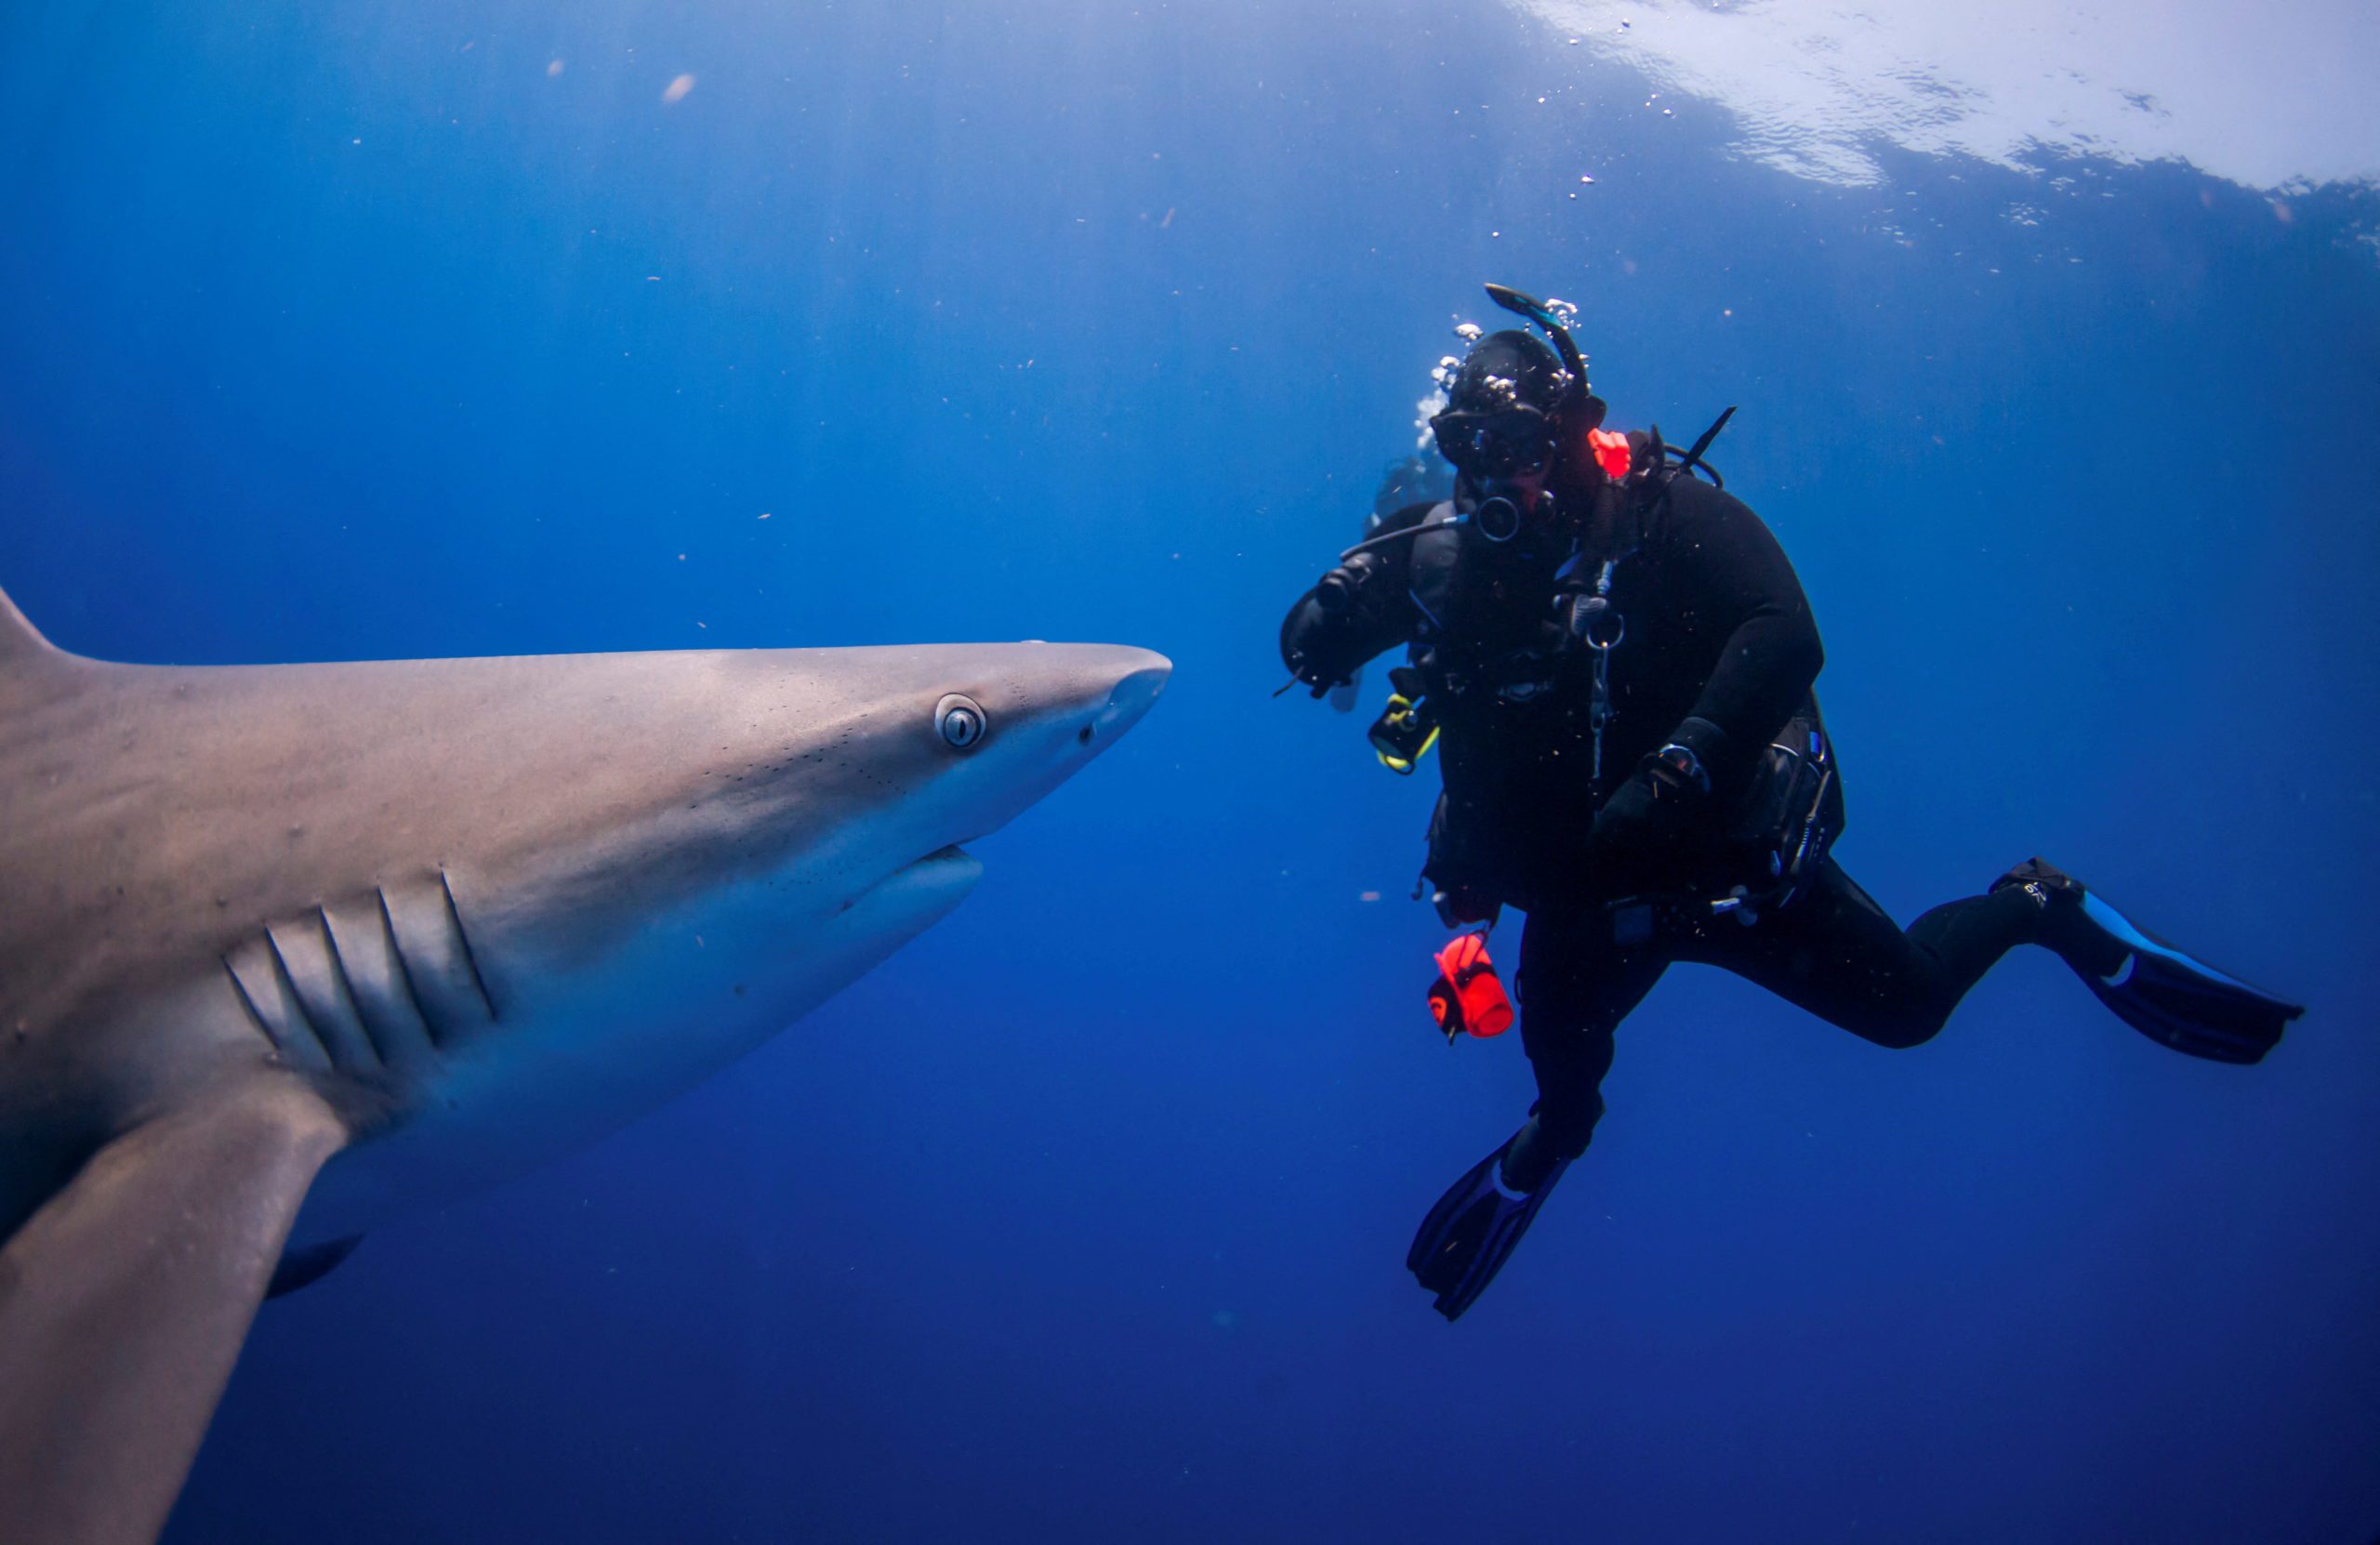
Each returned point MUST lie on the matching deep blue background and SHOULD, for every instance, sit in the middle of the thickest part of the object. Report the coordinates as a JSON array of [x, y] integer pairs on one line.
[[345, 329]]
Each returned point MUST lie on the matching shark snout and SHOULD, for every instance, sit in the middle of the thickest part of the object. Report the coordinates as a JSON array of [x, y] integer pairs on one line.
[[1145, 673]]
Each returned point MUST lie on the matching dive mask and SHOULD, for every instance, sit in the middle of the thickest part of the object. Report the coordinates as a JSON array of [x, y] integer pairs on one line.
[[1495, 444]]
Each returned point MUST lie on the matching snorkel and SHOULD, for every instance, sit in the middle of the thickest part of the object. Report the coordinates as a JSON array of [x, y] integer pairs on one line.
[[1558, 332]]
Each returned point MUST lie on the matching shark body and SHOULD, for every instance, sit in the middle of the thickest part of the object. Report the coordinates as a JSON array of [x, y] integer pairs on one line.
[[285, 950]]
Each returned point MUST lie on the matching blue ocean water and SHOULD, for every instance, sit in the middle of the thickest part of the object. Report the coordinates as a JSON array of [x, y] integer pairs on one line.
[[352, 329]]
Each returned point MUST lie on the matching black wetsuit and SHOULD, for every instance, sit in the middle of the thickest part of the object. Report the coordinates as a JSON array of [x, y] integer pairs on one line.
[[1717, 632]]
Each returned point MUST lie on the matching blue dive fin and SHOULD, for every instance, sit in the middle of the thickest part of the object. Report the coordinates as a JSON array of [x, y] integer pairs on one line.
[[2180, 1002], [1471, 1232]]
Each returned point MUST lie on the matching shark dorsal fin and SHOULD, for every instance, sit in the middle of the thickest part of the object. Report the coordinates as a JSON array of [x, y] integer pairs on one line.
[[20, 641]]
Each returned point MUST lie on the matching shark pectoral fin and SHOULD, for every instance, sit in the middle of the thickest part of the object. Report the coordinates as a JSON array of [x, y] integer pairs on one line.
[[125, 1299]]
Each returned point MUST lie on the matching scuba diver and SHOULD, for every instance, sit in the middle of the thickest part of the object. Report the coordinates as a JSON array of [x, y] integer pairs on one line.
[[1616, 661]]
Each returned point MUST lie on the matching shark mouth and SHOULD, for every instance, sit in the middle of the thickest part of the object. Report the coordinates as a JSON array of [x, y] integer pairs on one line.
[[950, 866], [947, 866], [951, 853]]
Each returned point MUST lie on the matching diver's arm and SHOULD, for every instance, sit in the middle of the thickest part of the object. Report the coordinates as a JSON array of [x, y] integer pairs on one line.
[[1323, 647], [1737, 576]]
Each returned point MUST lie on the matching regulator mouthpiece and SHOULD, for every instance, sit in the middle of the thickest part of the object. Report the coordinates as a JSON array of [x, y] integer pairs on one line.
[[1498, 519]]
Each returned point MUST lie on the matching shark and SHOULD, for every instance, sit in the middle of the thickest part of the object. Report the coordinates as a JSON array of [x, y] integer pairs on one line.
[[289, 950]]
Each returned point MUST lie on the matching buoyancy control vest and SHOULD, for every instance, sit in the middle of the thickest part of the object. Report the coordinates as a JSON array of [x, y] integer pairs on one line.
[[1509, 631]]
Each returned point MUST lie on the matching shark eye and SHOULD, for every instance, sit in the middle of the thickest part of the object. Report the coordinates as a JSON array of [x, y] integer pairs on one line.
[[962, 721]]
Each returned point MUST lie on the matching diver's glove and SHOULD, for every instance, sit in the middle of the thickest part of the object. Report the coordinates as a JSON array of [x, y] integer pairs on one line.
[[1314, 645], [1637, 834]]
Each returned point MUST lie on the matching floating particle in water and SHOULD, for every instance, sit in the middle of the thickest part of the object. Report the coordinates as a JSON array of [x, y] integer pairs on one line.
[[1368, 895], [676, 90], [553, 68], [1585, 178], [1468, 332]]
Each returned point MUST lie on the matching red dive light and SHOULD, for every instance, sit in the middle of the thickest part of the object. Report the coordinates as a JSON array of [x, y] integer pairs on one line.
[[1467, 996]]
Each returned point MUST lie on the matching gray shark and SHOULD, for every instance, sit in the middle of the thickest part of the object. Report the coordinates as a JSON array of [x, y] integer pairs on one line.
[[285, 950]]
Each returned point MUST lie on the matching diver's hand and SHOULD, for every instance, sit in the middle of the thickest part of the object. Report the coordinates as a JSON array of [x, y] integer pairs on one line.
[[1314, 645], [1321, 681], [1640, 828]]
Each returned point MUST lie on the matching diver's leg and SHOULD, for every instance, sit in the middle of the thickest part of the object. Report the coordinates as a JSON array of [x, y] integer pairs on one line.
[[1837, 954], [1575, 985]]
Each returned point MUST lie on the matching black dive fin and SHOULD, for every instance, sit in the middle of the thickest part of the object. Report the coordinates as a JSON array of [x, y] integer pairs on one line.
[[304, 1268], [124, 1298], [1471, 1232]]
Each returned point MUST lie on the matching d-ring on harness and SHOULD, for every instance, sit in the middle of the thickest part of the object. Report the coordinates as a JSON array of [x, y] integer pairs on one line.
[[1594, 622]]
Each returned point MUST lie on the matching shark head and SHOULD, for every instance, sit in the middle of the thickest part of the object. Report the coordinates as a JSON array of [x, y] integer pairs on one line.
[[833, 779], [737, 849]]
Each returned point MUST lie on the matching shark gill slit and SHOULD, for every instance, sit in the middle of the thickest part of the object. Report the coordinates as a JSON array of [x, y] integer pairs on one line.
[[344, 984], [299, 1020], [255, 1016], [455, 920], [436, 1033]]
